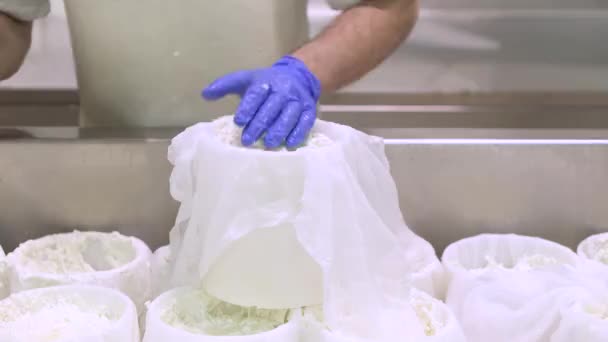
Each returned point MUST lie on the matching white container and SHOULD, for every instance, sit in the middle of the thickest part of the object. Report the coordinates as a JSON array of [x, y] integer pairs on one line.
[[68, 314], [145, 64], [519, 279], [488, 252], [103, 259], [595, 248], [188, 305]]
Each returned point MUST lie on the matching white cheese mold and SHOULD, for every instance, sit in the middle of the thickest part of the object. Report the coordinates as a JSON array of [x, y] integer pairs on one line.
[[290, 229], [71, 313], [433, 319], [510, 287], [91, 258], [594, 248]]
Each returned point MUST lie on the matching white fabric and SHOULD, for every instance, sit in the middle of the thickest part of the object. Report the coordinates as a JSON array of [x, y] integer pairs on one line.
[[430, 277], [585, 320], [68, 314], [550, 299], [342, 204], [472, 260], [132, 278], [161, 271], [433, 318], [520, 307], [4, 288], [26, 10], [559, 304]]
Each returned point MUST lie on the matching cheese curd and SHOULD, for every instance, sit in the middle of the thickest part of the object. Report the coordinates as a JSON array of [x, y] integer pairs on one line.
[[523, 263], [228, 132], [191, 315], [68, 314], [198, 313], [103, 259]]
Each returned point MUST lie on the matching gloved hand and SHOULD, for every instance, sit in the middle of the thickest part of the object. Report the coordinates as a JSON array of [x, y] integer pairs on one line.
[[280, 101]]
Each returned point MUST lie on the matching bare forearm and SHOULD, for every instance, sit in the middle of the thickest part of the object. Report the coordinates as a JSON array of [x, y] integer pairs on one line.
[[358, 41], [15, 38]]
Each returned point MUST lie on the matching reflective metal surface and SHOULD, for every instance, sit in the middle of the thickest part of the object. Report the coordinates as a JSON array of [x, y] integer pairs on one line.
[[449, 189], [52, 186]]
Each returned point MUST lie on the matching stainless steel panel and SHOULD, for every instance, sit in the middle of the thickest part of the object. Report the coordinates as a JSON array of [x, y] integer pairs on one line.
[[449, 189], [52, 186], [452, 189]]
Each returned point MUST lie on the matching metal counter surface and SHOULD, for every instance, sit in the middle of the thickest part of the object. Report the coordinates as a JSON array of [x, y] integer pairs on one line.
[[449, 188]]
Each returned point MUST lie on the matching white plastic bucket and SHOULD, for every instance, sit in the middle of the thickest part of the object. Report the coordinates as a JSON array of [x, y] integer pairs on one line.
[[67, 314], [507, 251], [117, 262], [595, 247], [145, 63]]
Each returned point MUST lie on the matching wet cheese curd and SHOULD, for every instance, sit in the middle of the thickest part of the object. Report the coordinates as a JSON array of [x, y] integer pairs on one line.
[[229, 133], [72, 313], [104, 259]]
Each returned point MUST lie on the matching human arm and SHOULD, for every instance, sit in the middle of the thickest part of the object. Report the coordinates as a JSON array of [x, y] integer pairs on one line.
[[358, 41], [16, 18], [281, 100], [15, 39]]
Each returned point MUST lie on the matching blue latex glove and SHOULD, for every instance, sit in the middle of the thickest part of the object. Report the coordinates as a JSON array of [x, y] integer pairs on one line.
[[280, 101]]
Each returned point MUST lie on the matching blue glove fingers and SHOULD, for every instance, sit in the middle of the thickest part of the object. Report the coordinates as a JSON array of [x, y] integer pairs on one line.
[[250, 104], [263, 119], [280, 129], [235, 83], [299, 134]]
